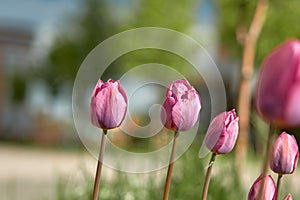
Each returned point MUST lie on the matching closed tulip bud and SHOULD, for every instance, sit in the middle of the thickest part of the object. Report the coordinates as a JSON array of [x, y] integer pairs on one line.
[[108, 104], [268, 192], [181, 106], [285, 154], [222, 132], [278, 90], [288, 197]]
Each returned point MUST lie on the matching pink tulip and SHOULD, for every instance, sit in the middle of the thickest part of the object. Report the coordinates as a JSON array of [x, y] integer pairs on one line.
[[222, 132], [181, 106], [108, 104], [288, 197], [269, 189], [285, 154], [278, 91]]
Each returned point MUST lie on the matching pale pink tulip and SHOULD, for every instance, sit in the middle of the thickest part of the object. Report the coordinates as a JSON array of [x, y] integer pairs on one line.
[[269, 189], [181, 106], [108, 104], [222, 132], [285, 154], [278, 89]]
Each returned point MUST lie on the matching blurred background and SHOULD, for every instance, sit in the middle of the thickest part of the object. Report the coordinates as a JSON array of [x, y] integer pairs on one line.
[[42, 45]]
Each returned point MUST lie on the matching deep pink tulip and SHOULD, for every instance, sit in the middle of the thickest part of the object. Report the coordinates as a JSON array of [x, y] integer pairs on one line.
[[278, 89], [285, 154], [222, 132], [269, 189], [288, 197], [181, 106], [108, 104]]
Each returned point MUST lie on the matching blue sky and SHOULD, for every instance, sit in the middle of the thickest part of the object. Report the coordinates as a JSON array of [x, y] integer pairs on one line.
[[44, 17], [47, 16], [35, 12]]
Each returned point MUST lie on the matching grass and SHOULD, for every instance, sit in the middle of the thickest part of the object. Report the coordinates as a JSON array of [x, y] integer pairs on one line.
[[187, 182]]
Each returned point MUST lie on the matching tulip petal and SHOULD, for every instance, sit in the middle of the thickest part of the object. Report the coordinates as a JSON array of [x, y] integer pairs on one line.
[[181, 106], [269, 189], [292, 113], [185, 114], [166, 113], [278, 85], [108, 104], [232, 133], [285, 154], [118, 105], [222, 132], [214, 132]]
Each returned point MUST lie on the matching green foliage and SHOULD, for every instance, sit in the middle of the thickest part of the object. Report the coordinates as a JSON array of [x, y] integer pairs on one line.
[[187, 182], [281, 23], [18, 88], [79, 36], [66, 189], [231, 15], [227, 182], [176, 15], [140, 57], [97, 21]]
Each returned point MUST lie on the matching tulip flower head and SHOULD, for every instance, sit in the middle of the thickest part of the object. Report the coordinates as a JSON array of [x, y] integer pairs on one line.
[[181, 106], [288, 197], [222, 132], [269, 188], [108, 104], [285, 154], [278, 89]]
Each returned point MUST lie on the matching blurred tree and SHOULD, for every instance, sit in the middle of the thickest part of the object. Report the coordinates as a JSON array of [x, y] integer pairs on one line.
[[97, 21], [18, 88], [175, 15], [281, 23], [235, 19], [81, 33]]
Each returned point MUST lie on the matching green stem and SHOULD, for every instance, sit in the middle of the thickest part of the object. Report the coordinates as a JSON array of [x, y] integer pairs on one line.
[[99, 166], [170, 168], [272, 133], [278, 186], [208, 175]]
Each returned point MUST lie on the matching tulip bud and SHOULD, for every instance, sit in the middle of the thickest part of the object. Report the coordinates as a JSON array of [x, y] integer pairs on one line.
[[222, 132], [278, 89], [269, 189], [285, 154], [181, 106], [288, 197], [108, 104]]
